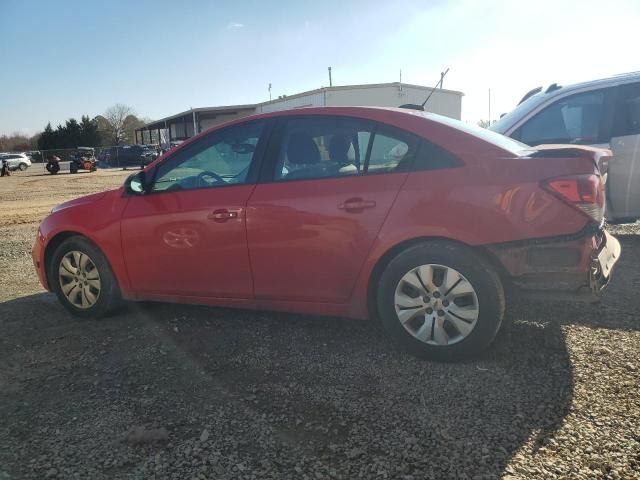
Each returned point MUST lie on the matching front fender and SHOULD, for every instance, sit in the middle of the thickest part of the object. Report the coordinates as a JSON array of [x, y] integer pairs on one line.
[[98, 220]]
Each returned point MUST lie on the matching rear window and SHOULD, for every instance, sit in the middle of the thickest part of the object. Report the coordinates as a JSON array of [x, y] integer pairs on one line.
[[510, 145]]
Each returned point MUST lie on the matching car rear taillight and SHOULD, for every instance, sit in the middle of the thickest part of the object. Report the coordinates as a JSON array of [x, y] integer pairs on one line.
[[585, 192]]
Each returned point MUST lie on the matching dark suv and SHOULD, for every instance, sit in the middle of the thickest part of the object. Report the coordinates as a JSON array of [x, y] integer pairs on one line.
[[128, 156]]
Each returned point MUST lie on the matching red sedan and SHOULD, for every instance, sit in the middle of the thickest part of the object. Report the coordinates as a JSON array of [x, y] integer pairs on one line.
[[416, 219]]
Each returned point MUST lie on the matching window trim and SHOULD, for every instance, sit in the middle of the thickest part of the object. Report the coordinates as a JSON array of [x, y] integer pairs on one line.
[[207, 141], [367, 155]]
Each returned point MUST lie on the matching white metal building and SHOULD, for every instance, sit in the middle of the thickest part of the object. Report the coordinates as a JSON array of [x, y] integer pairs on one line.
[[183, 125], [443, 102]]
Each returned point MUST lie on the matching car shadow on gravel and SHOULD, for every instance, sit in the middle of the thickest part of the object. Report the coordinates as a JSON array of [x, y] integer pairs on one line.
[[281, 394]]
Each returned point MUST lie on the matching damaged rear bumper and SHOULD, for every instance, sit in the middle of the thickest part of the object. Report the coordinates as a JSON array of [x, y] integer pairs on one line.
[[574, 267]]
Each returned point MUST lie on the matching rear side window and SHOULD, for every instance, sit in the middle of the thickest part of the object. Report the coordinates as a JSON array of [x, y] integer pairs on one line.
[[391, 151], [627, 111], [396, 151], [321, 147], [329, 147], [575, 119]]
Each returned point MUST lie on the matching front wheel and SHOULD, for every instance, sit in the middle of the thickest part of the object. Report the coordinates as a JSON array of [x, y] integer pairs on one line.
[[22, 167], [82, 279], [440, 301]]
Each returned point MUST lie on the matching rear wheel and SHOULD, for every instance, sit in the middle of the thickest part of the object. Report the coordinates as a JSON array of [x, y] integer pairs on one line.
[[82, 279], [22, 167], [440, 301]]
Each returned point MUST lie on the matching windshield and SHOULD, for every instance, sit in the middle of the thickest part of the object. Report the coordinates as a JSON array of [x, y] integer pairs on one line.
[[508, 120], [509, 144]]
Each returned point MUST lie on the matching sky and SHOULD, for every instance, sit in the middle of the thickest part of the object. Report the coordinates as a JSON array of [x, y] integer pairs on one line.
[[68, 58]]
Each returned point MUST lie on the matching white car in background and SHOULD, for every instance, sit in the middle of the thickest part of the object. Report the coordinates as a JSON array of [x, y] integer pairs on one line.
[[16, 161], [600, 113]]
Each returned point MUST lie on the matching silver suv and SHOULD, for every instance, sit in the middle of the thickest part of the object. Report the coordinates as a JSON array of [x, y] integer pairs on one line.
[[602, 113], [16, 161]]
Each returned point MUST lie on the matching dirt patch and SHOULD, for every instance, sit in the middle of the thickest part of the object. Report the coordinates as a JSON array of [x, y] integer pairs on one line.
[[27, 197]]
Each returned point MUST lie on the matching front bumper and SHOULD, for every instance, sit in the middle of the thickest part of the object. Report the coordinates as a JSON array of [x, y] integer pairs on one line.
[[573, 267]]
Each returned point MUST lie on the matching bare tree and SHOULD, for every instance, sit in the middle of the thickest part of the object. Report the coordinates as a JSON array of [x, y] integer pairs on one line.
[[15, 142], [115, 118]]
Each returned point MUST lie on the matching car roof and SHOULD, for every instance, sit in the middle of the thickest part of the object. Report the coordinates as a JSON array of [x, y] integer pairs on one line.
[[603, 82], [424, 124], [393, 115]]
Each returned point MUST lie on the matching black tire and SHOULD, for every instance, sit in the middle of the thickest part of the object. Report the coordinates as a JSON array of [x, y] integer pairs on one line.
[[478, 272], [22, 167], [53, 168], [73, 167], [109, 297]]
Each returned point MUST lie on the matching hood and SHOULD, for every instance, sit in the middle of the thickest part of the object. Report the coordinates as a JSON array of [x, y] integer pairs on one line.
[[94, 197]]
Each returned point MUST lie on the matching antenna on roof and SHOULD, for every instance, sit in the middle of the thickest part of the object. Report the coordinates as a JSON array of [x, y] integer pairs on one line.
[[412, 106]]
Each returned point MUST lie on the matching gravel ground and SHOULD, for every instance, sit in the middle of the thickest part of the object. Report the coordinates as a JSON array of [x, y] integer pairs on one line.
[[168, 391]]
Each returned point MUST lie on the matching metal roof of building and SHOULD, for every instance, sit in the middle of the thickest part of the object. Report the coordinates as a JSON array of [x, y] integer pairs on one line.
[[222, 109]]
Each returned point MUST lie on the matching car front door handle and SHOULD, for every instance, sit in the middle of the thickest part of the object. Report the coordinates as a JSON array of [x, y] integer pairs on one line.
[[222, 215], [356, 205]]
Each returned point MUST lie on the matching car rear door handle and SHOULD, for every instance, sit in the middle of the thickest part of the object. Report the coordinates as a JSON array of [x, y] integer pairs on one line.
[[356, 205], [222, 215]]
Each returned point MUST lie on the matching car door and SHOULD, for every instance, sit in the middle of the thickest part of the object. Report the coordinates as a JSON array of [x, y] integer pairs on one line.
[[624, 168], [186, 236], [329, 184]]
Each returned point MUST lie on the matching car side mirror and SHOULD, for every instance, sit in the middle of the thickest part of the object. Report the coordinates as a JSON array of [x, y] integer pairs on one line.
[[136, 184]]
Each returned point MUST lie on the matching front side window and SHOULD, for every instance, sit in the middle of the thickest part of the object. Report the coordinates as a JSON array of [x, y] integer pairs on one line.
[[627, 113], [223, 158], [576, 119]]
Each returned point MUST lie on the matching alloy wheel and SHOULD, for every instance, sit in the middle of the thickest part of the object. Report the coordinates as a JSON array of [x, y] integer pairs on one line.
[[79, 279], [436, 304]]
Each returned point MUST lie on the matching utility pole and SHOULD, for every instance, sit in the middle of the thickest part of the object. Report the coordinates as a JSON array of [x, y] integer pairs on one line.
[[269, 92], [442, 74], [489, 106], [330, 82]]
